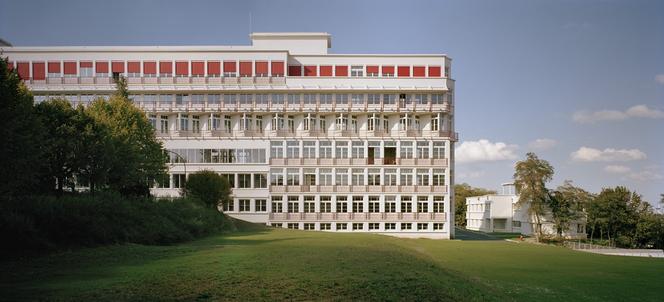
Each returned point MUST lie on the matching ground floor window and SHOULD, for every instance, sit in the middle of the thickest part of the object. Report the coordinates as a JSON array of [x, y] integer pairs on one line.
[[228, 206], [390, 226], [406, 226], [245, 205], [277, 225], [309, 226], [358, 226], [293, 226], [516, 223], [261, 205], [438, 226], [342, 226], [374, 226], [422, 226], [325, 226]]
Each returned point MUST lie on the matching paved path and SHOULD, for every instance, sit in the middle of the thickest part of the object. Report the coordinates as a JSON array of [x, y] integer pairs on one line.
[[463, 234]]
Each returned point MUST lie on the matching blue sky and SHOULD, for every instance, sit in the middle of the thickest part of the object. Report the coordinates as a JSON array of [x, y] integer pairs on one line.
[[581, 83]]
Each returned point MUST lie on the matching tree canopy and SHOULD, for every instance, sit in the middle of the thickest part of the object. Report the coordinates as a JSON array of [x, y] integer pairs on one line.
[[209, 187], [530, 178]]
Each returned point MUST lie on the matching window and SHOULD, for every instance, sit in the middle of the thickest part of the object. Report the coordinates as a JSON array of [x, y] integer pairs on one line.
[[374, 226], [292, 149], [437, 99], [422, 177], [325, 149], [229, 206], [184, 122], [406, 204], [326, 204], [277, 99], [325, 226], [423, 149], [358, 149], [341, 100], [581, 228], [438, 149], [390, 177], [342, 226], [374, 204], [228, 124], [245, 205], [309, 149], [341, 177], [438, 226], [309, 99], [246, 99], [358, 226], [261, 99], [389, 99], [406, 176], [309, 226], [435, 122], [358, 177], [309, 177], [356, 71], [438, 177], [358, 204], [390, 226], [293, 204], [230, 100], [439, 204], [341, 122], [422, 226], [517, 224], [276, 149], [326, 99], [373, 99], [406, 149], [293, 176], [179, 180], [390, 204], [291, 124], [374, 177], [309, 204], [358, 99], [260, 180], [293, 99], [422, 204], [293, 226], [341, 149], [342, 204], [195, 124], [325, 177], [406, 226], [244, 181], [277, 204]]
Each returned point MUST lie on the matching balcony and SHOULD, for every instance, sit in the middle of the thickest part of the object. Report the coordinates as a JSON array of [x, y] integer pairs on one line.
[[364, 216]]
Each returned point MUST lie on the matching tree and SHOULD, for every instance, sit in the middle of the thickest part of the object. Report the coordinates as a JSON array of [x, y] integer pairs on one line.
[[567, 204], [95, 151], [530, 178], [139, 155], [20, 130], [209, 187], [59, 142], [461, 191]]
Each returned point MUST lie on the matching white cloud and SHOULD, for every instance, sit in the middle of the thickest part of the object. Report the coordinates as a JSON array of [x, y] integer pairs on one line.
[[638, 111], [607, 155], [617, 169], [659, 78], [646, 175], [484, 150], [542, 144]]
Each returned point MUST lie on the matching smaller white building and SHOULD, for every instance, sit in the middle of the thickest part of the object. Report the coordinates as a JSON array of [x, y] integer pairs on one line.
[[501, 213]]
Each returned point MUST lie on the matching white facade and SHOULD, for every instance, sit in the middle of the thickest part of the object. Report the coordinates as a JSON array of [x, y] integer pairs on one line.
[[500, 213], [310, 140]]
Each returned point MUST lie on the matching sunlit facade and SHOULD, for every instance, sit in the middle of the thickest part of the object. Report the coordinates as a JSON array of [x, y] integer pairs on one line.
[[309, 139]]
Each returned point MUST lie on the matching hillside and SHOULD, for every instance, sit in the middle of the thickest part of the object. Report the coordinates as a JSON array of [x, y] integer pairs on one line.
[[268, 264]]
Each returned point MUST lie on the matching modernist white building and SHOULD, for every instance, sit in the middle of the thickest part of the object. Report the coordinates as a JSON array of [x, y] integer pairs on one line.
[[309, 139], [500, 213]]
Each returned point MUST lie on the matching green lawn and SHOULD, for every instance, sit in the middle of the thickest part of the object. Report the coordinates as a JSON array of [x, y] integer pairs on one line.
[[300, 265]]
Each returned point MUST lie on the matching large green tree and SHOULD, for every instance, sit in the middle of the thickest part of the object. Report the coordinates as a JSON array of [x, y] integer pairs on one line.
[[60, 141], [530, 178], [461, 191], [209, 187], [140, 156], [567, 204], [21, 133], [615, 213]]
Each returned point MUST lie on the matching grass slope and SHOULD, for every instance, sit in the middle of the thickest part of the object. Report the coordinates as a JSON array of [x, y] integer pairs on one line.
[[266, 264]]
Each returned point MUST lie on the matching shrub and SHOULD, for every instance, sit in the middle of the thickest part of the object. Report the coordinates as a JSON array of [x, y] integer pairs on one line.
[[209, 187], [42, 223]]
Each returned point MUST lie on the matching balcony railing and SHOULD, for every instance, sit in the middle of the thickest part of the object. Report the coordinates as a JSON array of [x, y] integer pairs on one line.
[[363, 216], [357, 189]]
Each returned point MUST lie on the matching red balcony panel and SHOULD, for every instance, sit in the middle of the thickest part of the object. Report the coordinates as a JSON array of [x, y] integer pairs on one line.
[[85, 64], [101, 67], [372, 69], [341, 70], [418, 71], [261, 67], [294, 70], [310, 71], [117, 66], [182, 68], [214, 68], [38, 71], [388, 70], [53, 67], [404, 71], [166, 67], [70, 67], [149, 67], [246, 69], [325, 70], [277, 68], [134, 67], [230, 66], [23, 70], [434, 71]]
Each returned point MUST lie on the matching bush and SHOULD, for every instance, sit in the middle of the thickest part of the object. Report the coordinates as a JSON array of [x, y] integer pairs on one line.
[[209, 187], [43, 223]]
